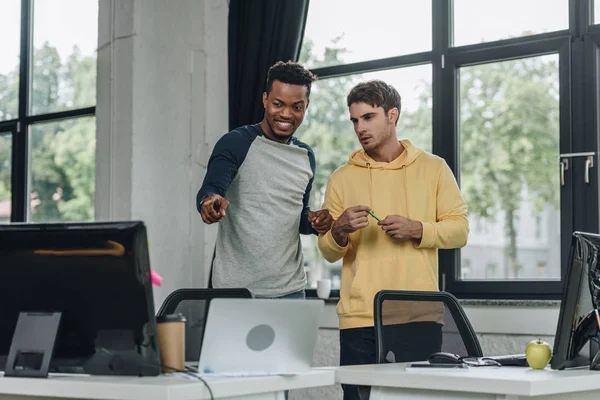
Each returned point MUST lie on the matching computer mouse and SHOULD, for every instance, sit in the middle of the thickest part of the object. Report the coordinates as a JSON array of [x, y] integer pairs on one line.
[[444, 358]]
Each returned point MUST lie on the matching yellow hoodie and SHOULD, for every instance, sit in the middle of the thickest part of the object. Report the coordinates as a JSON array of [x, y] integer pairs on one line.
[[417, 185]]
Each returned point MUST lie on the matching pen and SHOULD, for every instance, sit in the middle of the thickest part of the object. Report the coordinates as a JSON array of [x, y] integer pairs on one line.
[[373, 215]]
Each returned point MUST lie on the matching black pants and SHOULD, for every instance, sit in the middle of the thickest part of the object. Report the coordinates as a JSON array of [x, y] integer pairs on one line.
[[404, 343]]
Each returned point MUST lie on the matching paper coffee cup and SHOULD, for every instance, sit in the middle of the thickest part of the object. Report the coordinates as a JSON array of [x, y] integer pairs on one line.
[[171, 342]]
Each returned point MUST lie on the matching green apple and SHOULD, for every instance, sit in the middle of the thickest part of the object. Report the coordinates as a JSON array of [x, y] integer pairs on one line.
[[538, 354]]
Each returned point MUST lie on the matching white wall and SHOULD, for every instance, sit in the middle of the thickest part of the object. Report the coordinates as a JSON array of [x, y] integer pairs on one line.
[[162, 104]]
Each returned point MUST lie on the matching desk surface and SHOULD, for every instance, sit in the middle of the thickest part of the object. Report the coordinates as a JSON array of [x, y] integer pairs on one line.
[[158, 388], [518, 381]]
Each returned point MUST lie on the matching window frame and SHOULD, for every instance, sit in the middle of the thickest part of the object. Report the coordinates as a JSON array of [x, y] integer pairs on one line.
[[20, 126], [578, 125]]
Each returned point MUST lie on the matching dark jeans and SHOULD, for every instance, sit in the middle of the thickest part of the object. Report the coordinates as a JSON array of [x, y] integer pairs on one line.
[[414, 341], [296, 295]]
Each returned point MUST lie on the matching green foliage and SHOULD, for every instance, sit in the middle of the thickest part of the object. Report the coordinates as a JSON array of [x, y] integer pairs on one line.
[[327, 128], [62, 153], [5, 163], [509, 136]]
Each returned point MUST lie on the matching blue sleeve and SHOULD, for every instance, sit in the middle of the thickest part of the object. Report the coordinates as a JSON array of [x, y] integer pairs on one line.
[[227, 157], [305, 225]]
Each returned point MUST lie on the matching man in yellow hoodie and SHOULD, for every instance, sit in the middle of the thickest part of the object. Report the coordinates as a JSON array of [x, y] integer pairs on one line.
[[416, 196]]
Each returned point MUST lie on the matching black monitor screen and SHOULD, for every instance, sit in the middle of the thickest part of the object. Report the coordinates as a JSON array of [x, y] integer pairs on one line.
[[576, 340], [98, 276]]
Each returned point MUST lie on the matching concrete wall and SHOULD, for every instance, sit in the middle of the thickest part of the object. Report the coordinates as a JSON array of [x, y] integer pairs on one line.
[[162, 104]]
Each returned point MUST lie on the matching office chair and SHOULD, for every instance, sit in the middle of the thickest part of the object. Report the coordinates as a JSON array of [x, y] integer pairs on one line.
[[193, 304], [411, 325]]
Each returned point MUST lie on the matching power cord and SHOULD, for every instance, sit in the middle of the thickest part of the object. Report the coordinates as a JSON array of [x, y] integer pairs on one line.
[[186, 370], [191, 372]]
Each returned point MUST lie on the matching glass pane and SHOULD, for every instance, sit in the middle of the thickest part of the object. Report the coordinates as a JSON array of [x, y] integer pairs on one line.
[[5, 177], [509, 146], [347, 31], [477, 21], [63, 165], [65, 36], [9, 58], [596, 16], [328, 130]]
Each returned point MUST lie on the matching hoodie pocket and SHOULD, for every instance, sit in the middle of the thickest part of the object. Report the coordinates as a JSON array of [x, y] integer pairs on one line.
[[360, 289], [411, 272]]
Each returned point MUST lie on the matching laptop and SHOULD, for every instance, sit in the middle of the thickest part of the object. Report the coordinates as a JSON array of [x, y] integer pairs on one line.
[[245, 337]]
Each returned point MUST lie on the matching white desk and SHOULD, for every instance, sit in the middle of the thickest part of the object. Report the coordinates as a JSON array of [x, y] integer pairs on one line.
[[159, 388], [393, 381]]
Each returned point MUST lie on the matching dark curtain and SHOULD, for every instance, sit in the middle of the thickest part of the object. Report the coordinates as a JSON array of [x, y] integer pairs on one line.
[[261, 32]]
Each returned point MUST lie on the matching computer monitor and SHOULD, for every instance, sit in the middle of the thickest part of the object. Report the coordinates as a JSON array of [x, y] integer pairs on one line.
[[578, 321], [97, 275]]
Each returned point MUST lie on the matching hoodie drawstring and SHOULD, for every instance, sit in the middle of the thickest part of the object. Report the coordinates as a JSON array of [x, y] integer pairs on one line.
[[406, 192], [370, 187]]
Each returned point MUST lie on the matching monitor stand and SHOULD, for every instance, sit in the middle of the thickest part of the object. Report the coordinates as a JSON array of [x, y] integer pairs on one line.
[[32, 345]]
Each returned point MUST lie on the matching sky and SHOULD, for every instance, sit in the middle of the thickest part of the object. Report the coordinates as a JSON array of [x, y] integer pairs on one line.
[[63, 23], [385, 28]]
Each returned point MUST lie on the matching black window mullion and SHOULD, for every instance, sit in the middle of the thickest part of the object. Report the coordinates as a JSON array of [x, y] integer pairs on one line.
[[20, 144], [566, 146], [576, 22], [444, 142], [373, 65], [530, 48], [62, 115]]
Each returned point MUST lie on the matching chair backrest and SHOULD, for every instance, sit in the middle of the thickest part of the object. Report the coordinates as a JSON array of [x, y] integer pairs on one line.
[[411, 325], [193, 304]]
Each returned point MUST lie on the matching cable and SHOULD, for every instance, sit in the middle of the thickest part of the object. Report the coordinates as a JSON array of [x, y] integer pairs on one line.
[[191, 372], [186, 370]]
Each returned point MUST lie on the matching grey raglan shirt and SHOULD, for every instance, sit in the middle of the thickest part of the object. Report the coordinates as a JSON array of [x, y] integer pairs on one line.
[[268, 187]]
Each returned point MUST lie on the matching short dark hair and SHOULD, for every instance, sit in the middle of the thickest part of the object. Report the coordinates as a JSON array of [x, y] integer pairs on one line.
[[376, 93], [291, 73]]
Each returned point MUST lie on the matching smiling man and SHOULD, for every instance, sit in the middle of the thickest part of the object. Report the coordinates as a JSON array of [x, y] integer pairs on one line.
[[421, 210], [257, 187]]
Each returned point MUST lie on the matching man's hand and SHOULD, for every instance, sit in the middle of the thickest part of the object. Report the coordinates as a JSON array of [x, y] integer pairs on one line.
[[351, 220], [213, 208], [401, 228], [320, 220]]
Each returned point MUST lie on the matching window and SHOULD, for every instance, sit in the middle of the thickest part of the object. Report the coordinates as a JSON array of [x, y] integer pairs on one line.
[[596, 15], [9, 59], [541, 269], [5, 176], [485, 21], [63, 158], [52, 121], [504, 103], [509, 139], [465, 268], [356, 28], [65, 36], [491, 270]]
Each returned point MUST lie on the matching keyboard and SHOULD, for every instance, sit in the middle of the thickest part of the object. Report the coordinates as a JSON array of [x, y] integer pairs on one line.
[[511, 360]]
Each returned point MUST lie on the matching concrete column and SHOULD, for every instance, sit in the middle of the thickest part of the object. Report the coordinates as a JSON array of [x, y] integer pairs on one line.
[[162, 105]]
